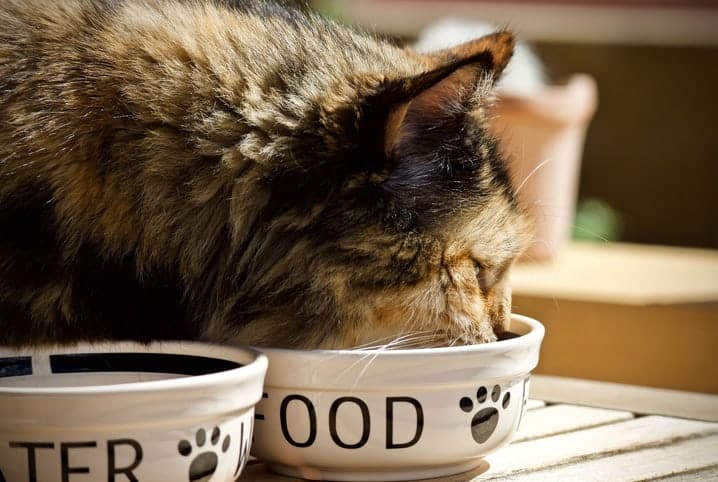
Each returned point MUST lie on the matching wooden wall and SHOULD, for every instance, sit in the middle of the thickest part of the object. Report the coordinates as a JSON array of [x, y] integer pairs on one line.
[[652, 150]]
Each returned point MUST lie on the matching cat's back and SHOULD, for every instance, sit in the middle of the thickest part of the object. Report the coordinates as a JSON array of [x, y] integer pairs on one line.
[[125, 130], [89, 65], [256, 39]]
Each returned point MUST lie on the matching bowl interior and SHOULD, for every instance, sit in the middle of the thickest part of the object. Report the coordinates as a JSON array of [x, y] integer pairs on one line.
[[110, 364], [90, 369], [422, 367]]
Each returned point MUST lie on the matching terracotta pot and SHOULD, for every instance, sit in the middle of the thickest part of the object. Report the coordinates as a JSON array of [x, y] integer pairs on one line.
[[543, 136]]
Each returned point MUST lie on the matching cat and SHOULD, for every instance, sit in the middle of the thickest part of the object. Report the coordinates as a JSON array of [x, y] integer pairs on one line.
[[524, 76], [248, 173]]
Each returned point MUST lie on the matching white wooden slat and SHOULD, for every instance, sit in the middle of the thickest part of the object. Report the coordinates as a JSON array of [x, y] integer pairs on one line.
[[557, 419], [592, 443], [651, 463], [647, 400], [532, 404], [563, 450], [702, 475]]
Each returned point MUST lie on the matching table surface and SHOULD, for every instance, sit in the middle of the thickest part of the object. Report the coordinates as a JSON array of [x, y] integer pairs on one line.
[[621, 273], [566, 441]]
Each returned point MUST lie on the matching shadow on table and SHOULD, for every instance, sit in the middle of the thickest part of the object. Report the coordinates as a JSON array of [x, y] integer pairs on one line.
[[257, 472], [483, 467]]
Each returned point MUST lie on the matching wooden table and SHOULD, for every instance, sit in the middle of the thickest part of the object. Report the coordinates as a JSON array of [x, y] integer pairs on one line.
[[576, 441], [625, 313]]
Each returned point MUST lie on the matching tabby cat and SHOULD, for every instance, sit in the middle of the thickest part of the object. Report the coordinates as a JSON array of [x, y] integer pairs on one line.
[[242, 172]]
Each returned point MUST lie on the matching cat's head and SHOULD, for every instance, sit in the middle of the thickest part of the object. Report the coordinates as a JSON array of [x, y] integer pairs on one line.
[[412, 233]]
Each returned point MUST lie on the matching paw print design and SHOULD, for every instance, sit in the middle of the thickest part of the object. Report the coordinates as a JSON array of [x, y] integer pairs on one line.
[[485, 420], [204, 464]]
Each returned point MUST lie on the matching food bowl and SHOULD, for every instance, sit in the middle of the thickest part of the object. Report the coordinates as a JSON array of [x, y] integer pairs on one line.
[[123, 411], [393, 415]]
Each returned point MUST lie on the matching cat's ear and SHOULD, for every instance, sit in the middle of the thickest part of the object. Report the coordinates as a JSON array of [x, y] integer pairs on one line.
[[445, 91], [492, 52]]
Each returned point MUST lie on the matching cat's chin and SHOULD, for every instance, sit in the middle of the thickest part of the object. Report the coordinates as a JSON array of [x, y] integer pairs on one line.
[[468, 339]]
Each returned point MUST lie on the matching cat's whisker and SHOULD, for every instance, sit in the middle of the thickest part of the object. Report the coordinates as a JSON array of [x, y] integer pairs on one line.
[[530, 174], [419, 341], [363, 371], [369, 354], [591, 232], [370, 344], [372, 355], [576, 226], [358, 360], [401, 341]]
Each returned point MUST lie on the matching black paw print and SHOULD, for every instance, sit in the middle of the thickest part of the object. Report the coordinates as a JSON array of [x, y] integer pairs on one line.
[[485, 420], [203, 464]]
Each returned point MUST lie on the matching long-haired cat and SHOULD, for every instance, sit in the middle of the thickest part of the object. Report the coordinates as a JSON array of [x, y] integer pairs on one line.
[[242, 172]]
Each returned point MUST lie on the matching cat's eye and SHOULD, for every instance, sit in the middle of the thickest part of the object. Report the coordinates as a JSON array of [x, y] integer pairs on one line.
[[477, 269]]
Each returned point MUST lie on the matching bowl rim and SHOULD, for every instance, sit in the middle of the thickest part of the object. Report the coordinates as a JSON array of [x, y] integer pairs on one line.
[[256, 367], [533, 337]]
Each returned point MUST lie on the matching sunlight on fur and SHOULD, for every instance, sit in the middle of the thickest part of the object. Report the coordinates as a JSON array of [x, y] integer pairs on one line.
[[249, 174]]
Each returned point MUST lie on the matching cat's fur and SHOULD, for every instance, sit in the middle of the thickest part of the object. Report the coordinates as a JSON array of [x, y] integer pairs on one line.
[[241, 172]]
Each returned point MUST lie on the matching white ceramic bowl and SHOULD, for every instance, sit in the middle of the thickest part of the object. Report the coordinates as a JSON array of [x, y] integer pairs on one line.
[[393, 415], [128, 412]]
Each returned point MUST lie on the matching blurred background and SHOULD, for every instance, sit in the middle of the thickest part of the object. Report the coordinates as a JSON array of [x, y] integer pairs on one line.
[[650, 161], [651, 155], [620, 164]]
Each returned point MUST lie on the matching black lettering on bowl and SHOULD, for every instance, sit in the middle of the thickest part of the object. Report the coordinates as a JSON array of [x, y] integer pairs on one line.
[[335, 425], [127, 471], [390, 401], [31, 460], [366, 422], [65, 468], [244, 445], [260, 416], [311, 413]]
